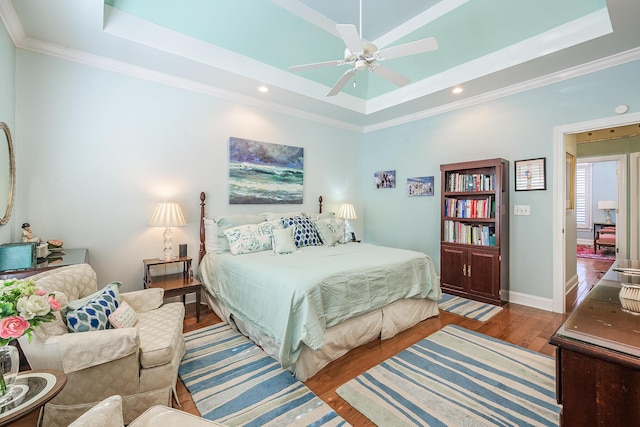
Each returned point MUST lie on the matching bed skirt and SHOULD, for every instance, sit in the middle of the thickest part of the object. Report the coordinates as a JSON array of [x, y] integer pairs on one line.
[[383, 323]]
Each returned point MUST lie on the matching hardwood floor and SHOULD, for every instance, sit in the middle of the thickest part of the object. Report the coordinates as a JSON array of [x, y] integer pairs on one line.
[[520, 325], [590, 272]]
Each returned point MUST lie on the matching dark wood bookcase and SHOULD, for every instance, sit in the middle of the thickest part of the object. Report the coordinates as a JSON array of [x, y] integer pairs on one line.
[[474, 229]]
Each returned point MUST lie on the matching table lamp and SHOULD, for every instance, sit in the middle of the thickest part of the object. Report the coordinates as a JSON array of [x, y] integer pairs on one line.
[[347, 212], [167, 214], [607, 205]]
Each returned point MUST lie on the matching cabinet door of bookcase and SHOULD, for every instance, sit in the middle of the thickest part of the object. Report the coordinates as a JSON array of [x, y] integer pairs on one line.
[[453, 261], [483, 272]]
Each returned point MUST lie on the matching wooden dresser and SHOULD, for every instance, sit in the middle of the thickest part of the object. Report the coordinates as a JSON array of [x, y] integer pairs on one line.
[[598, 358]]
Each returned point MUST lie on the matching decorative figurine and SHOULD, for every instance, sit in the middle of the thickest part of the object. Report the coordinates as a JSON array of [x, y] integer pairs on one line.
[[27, 235]]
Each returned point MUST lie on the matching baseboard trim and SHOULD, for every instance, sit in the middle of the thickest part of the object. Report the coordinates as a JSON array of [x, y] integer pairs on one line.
[[530, 300]]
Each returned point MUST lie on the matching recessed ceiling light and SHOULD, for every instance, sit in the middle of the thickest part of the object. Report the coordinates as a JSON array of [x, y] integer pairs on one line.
[[263, 89], [457, 90]]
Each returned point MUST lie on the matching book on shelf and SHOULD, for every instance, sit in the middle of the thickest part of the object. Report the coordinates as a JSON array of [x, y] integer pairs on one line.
[[469, 208], [459, 182], [469, 234]]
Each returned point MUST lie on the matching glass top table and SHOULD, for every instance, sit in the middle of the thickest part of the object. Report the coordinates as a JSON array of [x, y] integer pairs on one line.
[[601, 319]]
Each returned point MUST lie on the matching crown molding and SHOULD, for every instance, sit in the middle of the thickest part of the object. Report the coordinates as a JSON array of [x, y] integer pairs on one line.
[[569, 73], [170, 80], [11, 22]]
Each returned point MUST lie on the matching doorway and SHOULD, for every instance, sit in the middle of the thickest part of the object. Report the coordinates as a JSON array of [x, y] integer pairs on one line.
[[560, 224]]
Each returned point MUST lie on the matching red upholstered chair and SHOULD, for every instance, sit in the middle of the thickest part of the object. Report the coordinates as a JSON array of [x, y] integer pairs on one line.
[[606, 236]]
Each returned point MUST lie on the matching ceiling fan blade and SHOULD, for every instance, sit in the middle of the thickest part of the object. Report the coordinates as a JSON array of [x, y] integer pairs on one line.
[[350, 36], [340, 83], [390, 75], [418, 46], [316, 65]]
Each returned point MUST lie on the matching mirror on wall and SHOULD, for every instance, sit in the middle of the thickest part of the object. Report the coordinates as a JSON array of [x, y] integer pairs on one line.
[[7, 172]]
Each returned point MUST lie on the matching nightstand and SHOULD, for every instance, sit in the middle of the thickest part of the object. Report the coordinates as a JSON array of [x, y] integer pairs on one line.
[[175, 284]]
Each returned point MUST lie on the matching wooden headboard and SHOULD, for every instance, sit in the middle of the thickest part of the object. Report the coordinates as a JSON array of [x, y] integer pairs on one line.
[[203, 197]]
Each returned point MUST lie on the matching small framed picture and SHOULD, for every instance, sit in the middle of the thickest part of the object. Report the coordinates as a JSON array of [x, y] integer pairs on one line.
[[385, 179], [531, 174], [420, 186]]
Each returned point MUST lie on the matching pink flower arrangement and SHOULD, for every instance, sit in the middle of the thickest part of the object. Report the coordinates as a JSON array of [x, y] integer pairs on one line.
[[23, 307]]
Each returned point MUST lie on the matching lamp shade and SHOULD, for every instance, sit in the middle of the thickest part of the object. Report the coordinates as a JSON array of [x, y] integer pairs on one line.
[[167, 214], [607, 204], [347, 211]]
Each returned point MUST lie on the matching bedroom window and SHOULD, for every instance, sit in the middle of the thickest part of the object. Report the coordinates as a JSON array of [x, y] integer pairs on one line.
[[583, 196]]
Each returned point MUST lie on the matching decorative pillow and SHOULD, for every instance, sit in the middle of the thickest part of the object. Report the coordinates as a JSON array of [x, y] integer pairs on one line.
[[123, 317], [325, 215], [327, 237], [225, 222], [91, 313], [331, 230], [305, 232], [251, 237], [268, 216], [282, 241], [107, 413]]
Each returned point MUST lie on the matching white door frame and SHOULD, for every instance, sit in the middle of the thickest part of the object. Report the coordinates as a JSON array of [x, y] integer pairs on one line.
[[634, 202], [621, 198], [559, 213]]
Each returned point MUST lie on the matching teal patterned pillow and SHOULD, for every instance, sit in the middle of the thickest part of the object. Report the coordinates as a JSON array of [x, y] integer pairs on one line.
[[91, 313], [305, 232], [251, 237]]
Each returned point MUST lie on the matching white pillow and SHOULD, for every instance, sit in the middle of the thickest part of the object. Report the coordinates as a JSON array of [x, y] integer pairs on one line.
[[251, 237], [282, 241], [268, 216], [107, 413], [332, 231], [325, 215], [211, 239]]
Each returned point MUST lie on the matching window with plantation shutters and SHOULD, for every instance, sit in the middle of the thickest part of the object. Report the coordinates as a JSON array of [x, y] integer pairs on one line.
[[583, 196]]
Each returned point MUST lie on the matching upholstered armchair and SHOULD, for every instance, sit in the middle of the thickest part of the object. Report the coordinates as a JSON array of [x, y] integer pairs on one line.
[[606, 236], [139, 363], [108, 413]]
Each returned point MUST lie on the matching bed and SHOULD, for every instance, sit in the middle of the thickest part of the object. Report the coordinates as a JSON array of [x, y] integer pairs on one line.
[[311, 304]]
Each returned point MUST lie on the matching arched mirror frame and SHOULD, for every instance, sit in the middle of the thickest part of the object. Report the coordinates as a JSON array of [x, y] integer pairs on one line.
[[12, 175]]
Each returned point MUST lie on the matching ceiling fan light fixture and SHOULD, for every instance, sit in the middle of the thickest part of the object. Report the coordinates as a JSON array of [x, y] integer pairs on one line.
[[361, 64]]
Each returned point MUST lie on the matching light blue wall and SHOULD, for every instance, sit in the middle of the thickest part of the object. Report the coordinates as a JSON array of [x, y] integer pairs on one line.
[[99, 151], [515, 128], [7, 115]]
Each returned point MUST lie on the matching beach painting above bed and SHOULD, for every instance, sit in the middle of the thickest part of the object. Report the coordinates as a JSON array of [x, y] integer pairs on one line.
[[264, 173]]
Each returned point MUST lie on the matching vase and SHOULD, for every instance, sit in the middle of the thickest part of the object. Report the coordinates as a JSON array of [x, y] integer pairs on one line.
[[9, 366]]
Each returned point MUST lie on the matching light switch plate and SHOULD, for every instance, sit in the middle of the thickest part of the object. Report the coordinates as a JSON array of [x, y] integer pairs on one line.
[[521, 210]]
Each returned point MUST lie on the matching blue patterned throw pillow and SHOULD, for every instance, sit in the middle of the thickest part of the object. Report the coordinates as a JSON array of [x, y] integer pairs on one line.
[[305, 232], [91, 313]]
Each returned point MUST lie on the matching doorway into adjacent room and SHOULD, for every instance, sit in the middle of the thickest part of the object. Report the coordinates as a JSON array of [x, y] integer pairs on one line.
[[564, 220]]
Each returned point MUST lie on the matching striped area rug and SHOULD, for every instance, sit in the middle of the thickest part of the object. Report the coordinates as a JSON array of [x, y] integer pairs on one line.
[[457, 377], [468, 308], [233, 382]]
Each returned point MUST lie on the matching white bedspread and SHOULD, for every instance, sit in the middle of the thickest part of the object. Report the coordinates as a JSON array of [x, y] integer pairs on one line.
[[294, 298]]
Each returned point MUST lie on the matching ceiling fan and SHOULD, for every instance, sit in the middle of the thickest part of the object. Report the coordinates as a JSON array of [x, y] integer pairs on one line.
[[363, 54]]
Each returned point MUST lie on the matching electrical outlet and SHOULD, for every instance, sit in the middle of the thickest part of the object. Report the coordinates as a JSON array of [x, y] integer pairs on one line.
[[521, 210]]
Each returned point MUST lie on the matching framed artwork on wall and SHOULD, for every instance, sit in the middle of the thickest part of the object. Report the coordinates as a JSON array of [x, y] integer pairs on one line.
[[264, 173], [531, 174], [570, 179], [385, 179], [420, 186]]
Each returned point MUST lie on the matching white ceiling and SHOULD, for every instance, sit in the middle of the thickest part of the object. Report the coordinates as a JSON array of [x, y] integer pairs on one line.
[[229, 48]]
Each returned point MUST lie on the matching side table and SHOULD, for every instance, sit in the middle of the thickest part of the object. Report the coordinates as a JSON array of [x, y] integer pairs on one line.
[[175, 284], [32, 390]]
